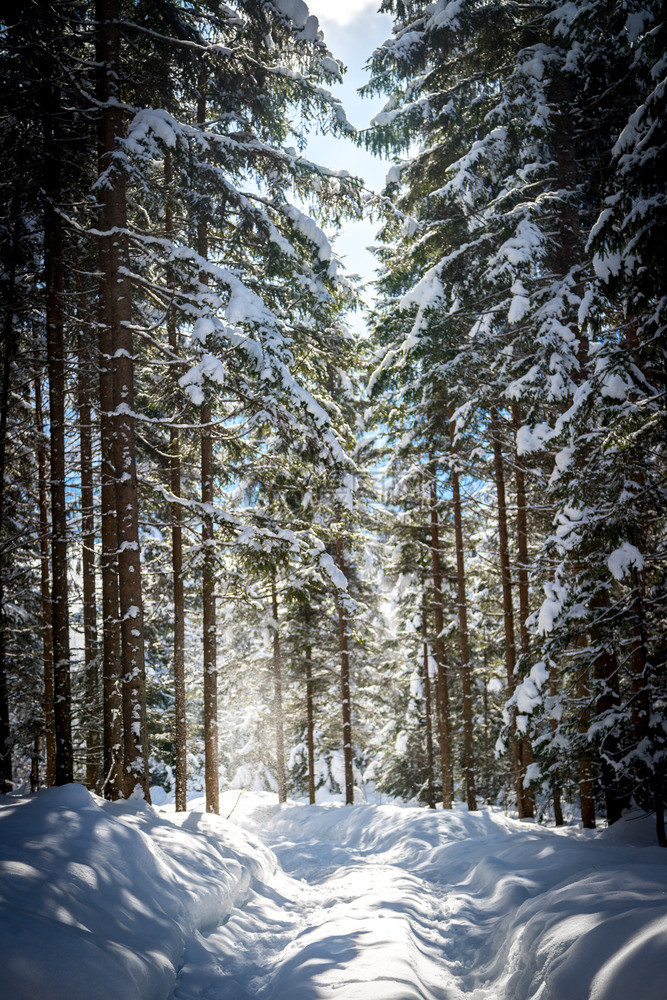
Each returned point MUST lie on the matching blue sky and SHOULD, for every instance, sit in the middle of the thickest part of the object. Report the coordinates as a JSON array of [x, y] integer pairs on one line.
[[352, 29]]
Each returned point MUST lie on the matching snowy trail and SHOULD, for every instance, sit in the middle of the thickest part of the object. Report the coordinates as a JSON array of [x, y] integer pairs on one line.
[[382, 903], [121, 901], [335, 922]]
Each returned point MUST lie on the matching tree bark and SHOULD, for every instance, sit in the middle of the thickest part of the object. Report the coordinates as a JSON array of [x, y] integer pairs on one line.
[[114, 259], [8, 353], [45, 580], [209, 624], [444, 724], [278, 694], [586, 786], [345, 687], [112, 718], [525, 747], [55, 347], [93, 761], [208, 571], [556, 794], [508, 610], [616, 791], [180, 722], [426, 680], [310, 712], [462, 604]]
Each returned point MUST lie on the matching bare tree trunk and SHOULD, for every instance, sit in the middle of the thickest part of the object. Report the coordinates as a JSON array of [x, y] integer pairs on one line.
[[586, 787], [208, 608], [47, 636], [345, 687], [180, 722], [114, 261], [426, 680], [444, 724], [616, 791], [462, 603], [112, 717], [558, 809], [525, 748], [508, 610], [310, 713], [93, 761], [212, 779], [55, 346], [278, 694], [485, 735], [8, 353]]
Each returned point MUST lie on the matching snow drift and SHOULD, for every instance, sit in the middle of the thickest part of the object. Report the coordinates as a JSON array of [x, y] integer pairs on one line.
[[119, 901], [102, 901]]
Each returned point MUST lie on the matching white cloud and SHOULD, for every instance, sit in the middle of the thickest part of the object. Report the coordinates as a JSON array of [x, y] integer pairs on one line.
[[341, 12]]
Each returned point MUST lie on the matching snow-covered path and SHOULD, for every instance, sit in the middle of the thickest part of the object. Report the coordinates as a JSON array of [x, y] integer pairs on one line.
[[120, 901], [384, 903]]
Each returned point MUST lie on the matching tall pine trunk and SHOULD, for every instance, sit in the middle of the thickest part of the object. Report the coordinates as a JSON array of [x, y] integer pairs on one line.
[[310, 710], [586, 781], [45, 584], [525, 748], [278, 694], [55, 348], [444, 723], [209, 623], [180, 723], [93, 761], [462, 603], [346, 705], [112, 712], [211, 776], [556, 793], [614, 785], [426, 681], [508, 609], [114, 260], [8, 351]]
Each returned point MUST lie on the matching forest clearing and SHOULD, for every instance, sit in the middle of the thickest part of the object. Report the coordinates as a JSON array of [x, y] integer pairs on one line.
[[333, 499]]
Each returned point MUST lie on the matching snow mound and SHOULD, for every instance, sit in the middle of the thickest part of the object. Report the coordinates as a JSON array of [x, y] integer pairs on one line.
[[104, 901], [470, 905]]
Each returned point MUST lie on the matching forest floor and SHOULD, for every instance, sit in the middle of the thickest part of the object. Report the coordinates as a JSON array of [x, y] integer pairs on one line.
[[105, 901]]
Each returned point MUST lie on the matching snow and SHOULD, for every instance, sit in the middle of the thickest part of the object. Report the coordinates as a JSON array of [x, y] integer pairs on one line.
[[120, 901], [623, 559]]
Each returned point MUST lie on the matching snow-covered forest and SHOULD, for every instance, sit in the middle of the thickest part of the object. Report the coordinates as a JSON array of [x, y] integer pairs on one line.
[[271, 530]]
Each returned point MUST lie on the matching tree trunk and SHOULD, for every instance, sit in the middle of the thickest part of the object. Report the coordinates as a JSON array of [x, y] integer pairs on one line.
[[212, 779], [44, 549], [426, 680], [112, 718], [55, 347], [508, 610], [208, 609], [345, 687], [444, 725], [278, 694], [310, 713], [114, 259], [556, 794], [180, 722], [8, 352], [616, 791], [586, 787], [485, 736], [462, 603], [93, 761], [525, 748]]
